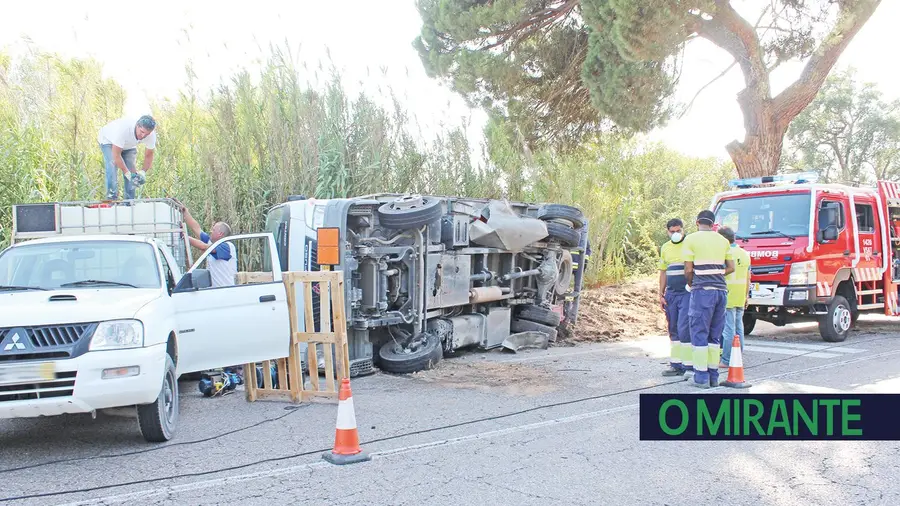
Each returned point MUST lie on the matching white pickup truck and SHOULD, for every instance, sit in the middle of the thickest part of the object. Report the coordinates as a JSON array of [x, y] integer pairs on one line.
[[89, 322]]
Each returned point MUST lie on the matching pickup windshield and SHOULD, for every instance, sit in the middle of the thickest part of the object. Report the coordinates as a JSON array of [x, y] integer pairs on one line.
[[766, 215], [80, 264]]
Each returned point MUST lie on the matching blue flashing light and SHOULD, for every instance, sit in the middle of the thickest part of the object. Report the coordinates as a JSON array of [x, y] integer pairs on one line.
[[796, 178]]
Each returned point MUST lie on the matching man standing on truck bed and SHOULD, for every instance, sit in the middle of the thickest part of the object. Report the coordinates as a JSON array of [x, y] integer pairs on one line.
[[222, 262], [707, 260], [118, 142], [675, 299], [738, 288]]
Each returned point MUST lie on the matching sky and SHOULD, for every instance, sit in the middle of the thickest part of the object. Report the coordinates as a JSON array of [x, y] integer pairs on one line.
[[145, 47]]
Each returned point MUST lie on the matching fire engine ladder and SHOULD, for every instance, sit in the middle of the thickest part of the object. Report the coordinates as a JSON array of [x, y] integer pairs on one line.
[[890, 194]]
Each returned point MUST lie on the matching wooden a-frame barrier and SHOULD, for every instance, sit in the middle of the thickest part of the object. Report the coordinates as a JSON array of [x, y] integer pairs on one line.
[[332, 337]]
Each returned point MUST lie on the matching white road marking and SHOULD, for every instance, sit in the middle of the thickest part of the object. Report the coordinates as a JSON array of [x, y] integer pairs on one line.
[[803, 346], [787, 351], [214, 482]]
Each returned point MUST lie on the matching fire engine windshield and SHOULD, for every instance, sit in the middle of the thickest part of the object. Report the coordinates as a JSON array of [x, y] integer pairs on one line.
[[785, 215]]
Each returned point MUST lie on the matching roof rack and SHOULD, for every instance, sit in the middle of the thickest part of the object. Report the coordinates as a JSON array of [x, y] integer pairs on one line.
[[781, 179]]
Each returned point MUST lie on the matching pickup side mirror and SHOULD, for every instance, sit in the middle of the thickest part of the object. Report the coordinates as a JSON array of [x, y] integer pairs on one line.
[[197, 279]]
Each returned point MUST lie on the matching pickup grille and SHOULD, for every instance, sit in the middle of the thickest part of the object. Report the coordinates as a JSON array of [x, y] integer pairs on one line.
[[55, 335], [767, 269], [47, 342], [62, 386]]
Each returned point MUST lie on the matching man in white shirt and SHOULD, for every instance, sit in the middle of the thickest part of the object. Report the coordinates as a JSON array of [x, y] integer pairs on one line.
[[118, 142], [222, 262]]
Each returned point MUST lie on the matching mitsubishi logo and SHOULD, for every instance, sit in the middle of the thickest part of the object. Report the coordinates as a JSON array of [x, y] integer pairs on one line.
[[15, 343]]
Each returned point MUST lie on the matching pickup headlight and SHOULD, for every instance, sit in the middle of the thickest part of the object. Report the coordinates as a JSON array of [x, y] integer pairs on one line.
[[803, 273], [118, 335]]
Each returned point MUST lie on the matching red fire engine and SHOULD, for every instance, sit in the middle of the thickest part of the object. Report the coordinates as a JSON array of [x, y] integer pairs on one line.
[[819, 252]]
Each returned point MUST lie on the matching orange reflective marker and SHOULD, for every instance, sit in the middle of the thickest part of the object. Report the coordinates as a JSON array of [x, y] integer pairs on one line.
[[328, 246]]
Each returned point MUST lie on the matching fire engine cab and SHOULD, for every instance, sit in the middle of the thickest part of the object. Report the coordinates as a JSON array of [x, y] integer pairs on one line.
[[819, 252]]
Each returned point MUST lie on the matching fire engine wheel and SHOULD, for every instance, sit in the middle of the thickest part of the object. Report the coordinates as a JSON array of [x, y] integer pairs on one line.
[[417, 354], [749, 324], [835, 325], [411, 211]]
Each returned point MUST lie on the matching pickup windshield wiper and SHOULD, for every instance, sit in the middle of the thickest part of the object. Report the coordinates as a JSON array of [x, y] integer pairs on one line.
[[773, 232], [19, 287], [86, 282]]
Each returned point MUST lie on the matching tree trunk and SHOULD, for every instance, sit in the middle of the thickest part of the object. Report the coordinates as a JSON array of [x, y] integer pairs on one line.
[[760, 152]]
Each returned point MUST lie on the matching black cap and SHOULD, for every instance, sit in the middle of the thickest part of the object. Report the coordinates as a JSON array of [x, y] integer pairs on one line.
[[706, 216]]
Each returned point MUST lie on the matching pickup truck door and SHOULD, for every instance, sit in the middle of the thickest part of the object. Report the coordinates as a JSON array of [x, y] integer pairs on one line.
[[233, 325]]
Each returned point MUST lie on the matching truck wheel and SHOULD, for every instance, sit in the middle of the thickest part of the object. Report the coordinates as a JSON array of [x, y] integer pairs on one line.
[[566, 235], [552, 212], [564, 274], [158, 420], [835, 325], [749, 323], [526, 326], [423, 353], [409, 212], [538, 314]]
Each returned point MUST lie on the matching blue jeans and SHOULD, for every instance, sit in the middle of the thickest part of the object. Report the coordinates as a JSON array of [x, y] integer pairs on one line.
[[734, 326], [112, 172]]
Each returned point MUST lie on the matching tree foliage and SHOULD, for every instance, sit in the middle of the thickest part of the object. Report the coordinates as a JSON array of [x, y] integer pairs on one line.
[[561, 68], [849, 133]]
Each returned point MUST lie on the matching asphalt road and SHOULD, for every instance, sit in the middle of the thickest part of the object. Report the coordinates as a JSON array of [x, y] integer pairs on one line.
[[540, 427]]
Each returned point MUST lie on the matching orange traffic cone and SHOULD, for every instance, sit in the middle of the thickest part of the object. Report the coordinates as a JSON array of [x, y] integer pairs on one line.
[[346, 438], [736, 367]]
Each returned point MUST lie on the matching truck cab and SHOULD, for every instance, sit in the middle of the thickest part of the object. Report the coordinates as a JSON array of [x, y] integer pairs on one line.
[[819, 252], [100, 321], [429, 275]]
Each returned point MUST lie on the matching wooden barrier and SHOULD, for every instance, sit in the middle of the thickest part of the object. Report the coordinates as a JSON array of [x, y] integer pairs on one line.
[[332, 337]]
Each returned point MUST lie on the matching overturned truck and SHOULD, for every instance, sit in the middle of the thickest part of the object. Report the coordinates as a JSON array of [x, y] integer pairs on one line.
[[428, 276]]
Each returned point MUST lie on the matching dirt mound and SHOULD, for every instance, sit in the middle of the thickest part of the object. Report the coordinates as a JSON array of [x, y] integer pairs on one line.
[[618, 313], [513, 379]]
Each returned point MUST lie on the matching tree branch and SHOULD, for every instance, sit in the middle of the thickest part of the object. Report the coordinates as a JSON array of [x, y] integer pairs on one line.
[[535, 22], [790, 102]]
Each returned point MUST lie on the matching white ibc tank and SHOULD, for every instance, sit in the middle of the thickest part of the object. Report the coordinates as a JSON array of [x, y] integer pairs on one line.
[[140, 218]]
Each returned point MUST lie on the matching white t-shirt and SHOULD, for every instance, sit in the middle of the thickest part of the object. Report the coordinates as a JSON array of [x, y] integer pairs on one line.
[[120, 133]]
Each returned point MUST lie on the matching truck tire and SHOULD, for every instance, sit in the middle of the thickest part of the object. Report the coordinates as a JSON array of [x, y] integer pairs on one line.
[[749, 323], [551, 212], [526, 326], [538, 314], [835, 325], [159, 419], [410, 212], [564, 276], [392, 359], [566, 235]]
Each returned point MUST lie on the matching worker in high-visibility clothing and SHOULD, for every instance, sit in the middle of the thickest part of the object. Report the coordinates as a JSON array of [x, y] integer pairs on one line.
[[708, 258], [674, 298], [738, 288]]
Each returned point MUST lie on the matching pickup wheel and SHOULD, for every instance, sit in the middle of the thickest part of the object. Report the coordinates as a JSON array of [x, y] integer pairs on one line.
[[566, 235], [418, 354], [159, 419], [410, 212], [526, 326], [835, 325], [554, 212], [538, 314]]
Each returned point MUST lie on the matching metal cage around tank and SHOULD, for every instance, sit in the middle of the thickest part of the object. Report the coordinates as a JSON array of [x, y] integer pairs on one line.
[[156, 218]]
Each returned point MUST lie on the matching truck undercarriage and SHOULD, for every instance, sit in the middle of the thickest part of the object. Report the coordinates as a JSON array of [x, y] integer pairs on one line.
[[428, 276]]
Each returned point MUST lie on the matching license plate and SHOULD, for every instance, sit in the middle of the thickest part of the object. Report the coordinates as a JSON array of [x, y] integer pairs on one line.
[[754, 287], [30, 373]]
